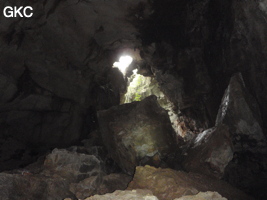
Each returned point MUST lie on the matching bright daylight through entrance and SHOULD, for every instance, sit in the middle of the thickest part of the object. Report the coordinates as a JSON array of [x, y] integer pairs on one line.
[[123, 63]]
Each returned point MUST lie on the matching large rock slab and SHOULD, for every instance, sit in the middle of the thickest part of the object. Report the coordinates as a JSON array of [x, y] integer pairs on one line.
[[168, 184], [210, 153], [240, 112], [137, 133]]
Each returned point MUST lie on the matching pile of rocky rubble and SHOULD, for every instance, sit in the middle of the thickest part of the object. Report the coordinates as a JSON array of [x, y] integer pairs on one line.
[[67, 174], [152, 162]]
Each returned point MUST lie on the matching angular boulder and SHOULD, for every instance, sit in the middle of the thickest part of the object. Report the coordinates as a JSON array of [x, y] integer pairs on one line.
[[240, 112], [210, 153], [234, 149], [168, 184], [137, 133]]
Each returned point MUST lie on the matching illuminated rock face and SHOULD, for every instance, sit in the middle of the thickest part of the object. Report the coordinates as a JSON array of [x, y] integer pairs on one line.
[[141, 87], [168, 184], [147, 195], [127, 194], [137, 133]]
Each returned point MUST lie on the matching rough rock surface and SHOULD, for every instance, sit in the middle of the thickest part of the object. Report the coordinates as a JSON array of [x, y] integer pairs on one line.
[[55, 71], [129, 195], [235, 149], [198, 45], [147, 195], [37, 123], [56, 65], [64, 173], [32, 187], [8, 88], [100, 185], [168, 184], [211, 152], [203, 196], [141, 87], [14, 153], [72, 165], [137, 133], [240, 112]]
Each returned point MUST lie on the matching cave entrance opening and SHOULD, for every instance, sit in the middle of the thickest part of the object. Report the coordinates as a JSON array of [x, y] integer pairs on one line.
[[124, 62], [141, 83], [140, 86]]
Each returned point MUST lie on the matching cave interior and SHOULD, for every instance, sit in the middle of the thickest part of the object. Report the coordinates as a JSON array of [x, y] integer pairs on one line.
[[98, 96]]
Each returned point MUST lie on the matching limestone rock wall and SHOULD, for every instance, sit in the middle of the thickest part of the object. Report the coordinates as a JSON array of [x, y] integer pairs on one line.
[[198, 45], [56, 71]]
